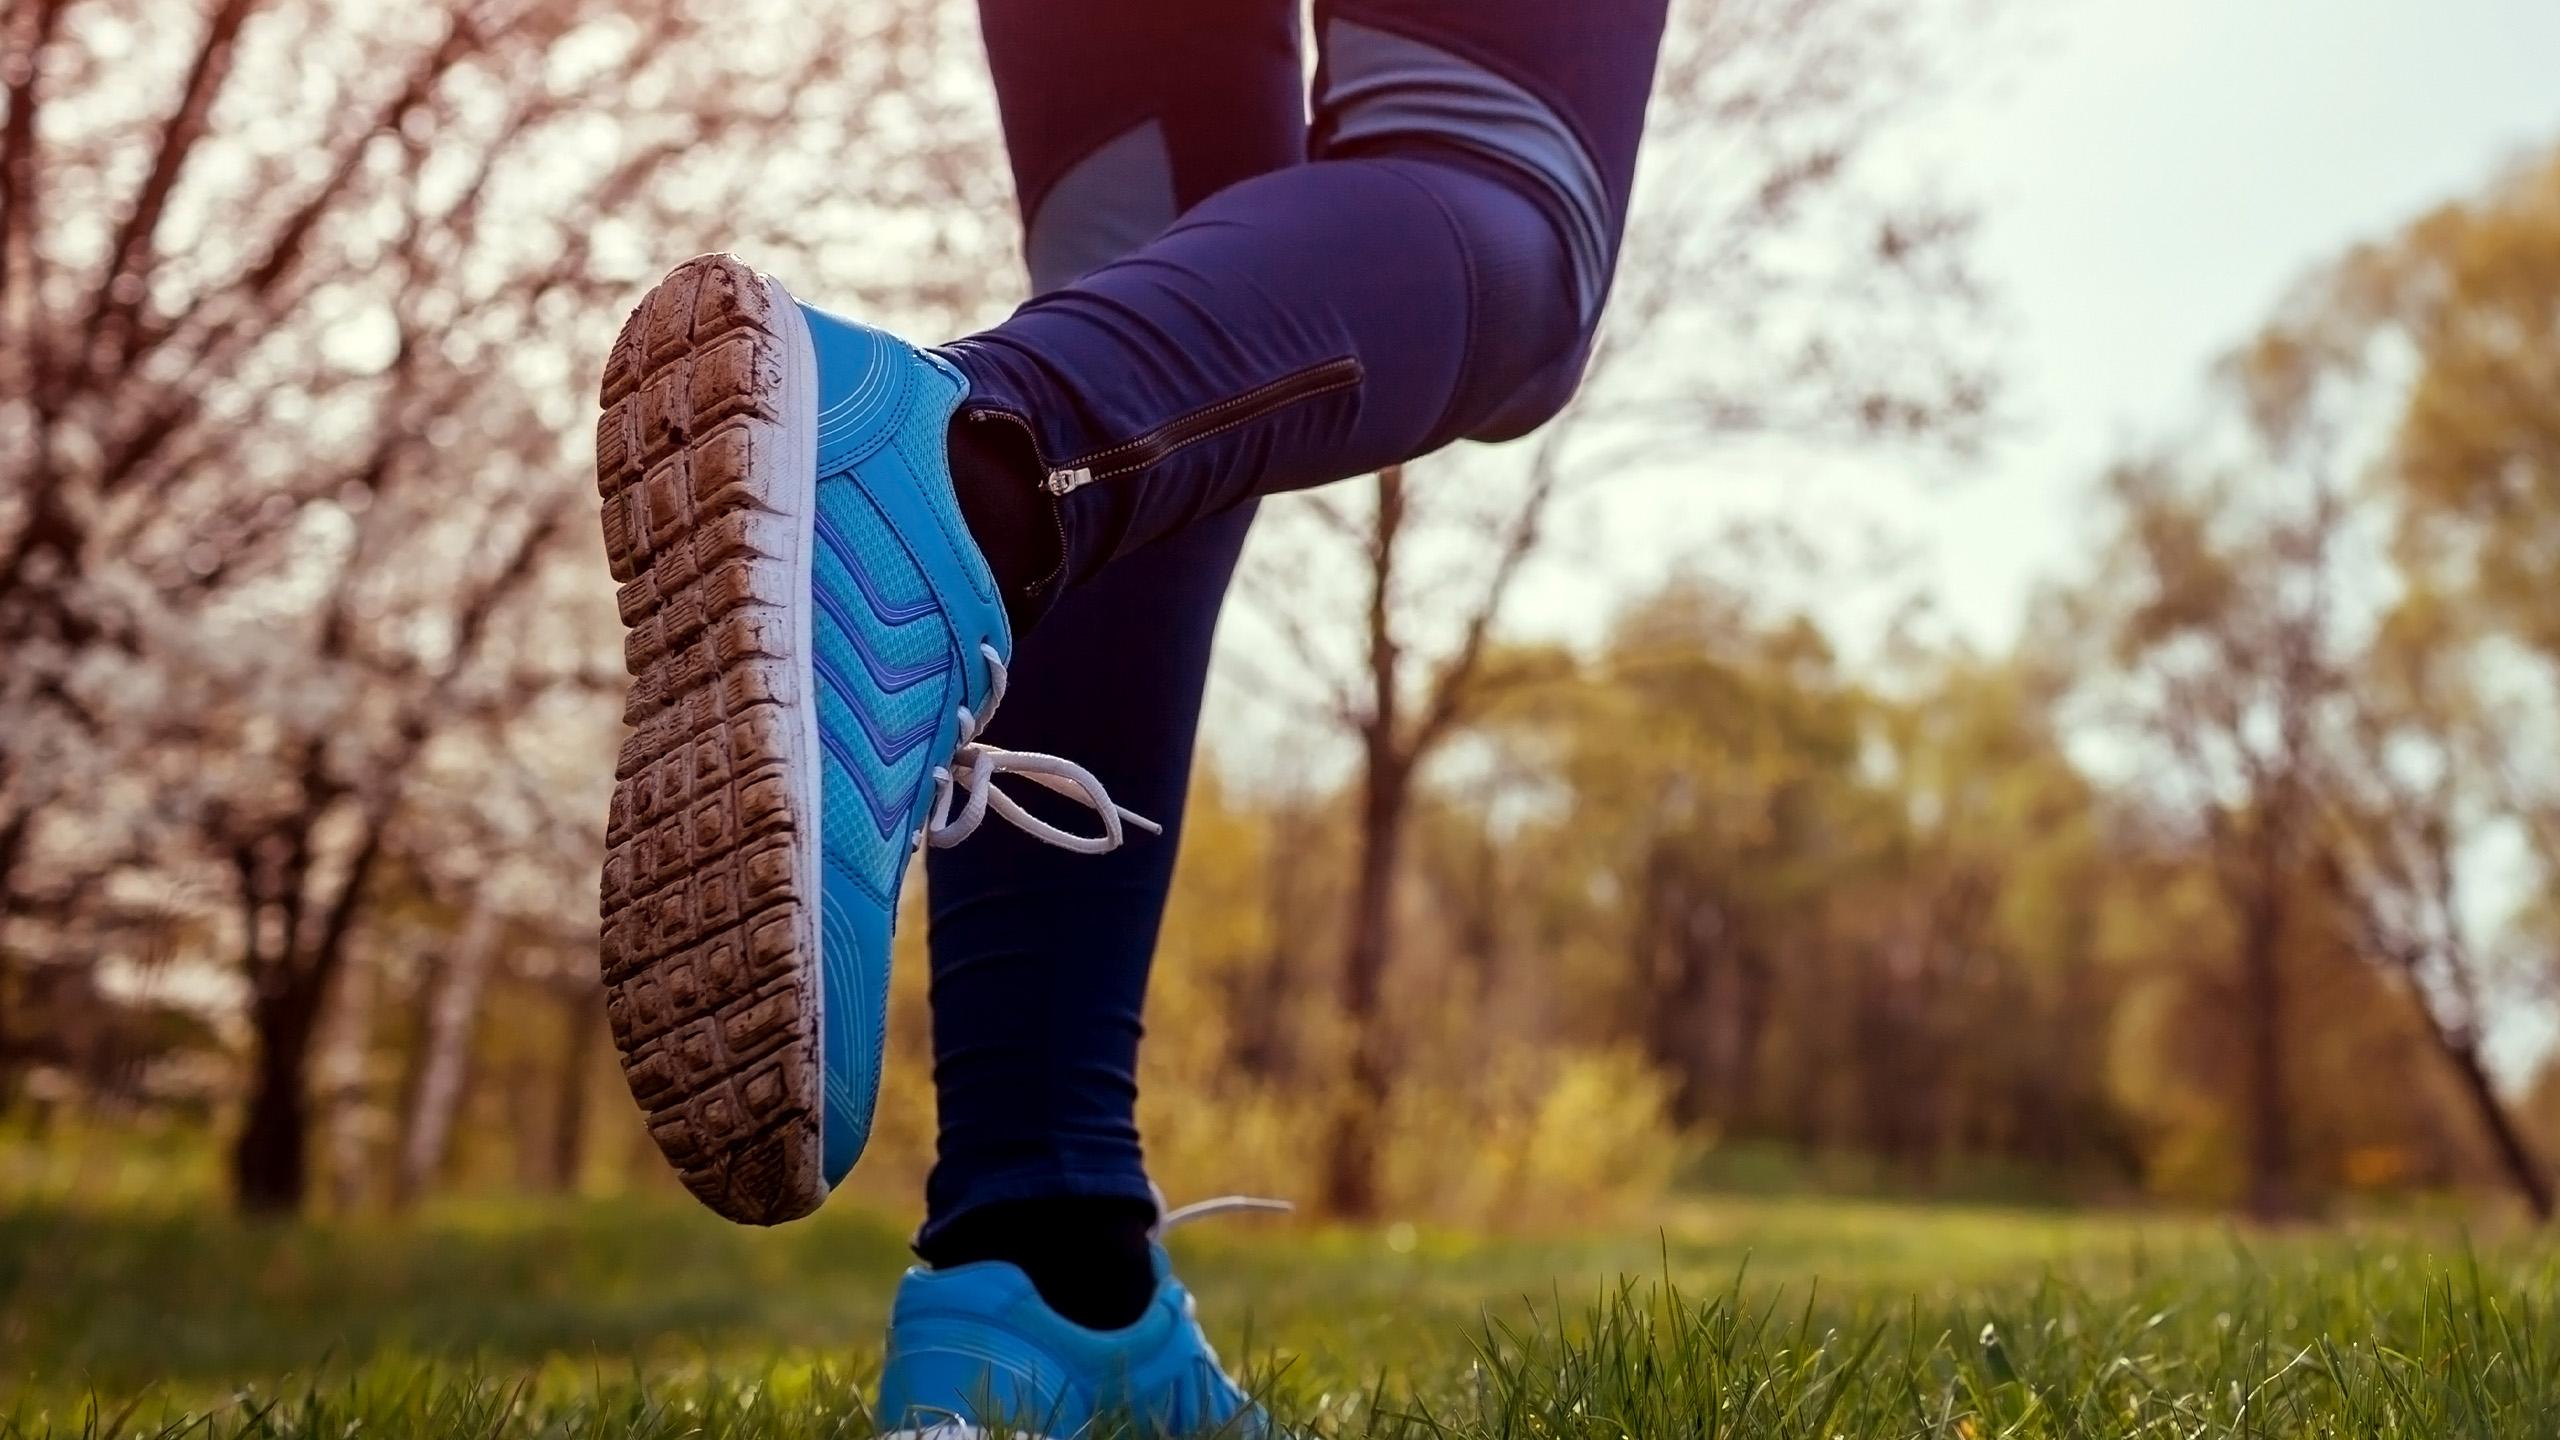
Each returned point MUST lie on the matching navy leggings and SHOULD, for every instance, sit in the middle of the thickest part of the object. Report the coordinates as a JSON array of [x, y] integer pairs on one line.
[[1231, 299]]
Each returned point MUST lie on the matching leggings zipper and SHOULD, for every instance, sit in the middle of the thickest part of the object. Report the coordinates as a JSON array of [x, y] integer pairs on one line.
[[1189, 428], [1160, 442], [982, 414]]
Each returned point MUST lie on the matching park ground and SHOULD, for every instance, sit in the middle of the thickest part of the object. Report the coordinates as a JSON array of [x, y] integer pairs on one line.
[[1728, 1316]]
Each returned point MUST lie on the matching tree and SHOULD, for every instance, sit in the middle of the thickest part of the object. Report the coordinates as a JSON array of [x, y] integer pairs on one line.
[[1722, 830], [450, 1012], [2452, 329], [1980, 912], [299, 303], [2406, 794], [2307, 617], [2218, 609], [2474, 292]]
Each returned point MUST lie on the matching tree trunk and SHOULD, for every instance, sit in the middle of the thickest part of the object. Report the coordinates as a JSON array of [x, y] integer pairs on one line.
[[1740, 1084], [1480, 919], [13, 847], [346, 1115], [444, 1069], [1687, 1036], [9, 1022], [293, 968], [2515, 1152], [270, 1161], [1660, 965], [1351, 1178], [2262, 994], [1880, 1028], [1261, 1015], [580, 1007]]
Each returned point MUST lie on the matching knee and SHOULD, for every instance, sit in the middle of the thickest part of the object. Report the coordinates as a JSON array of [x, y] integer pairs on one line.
[[1388, 93], [1537, 400]]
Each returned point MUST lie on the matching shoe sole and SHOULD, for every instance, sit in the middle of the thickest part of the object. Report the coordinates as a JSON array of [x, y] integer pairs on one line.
[[705, 456]]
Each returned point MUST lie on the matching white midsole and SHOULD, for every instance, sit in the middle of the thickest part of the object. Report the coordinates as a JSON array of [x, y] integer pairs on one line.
[[800, 439]]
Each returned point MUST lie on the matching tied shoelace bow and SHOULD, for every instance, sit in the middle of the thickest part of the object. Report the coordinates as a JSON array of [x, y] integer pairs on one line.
[[975, 766]]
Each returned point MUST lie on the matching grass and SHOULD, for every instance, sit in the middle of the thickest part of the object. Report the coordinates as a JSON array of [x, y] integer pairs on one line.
[[1759, 1317]]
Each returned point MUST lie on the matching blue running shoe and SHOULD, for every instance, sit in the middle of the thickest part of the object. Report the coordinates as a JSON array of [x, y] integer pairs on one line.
[[974, 1353], [815, 644]]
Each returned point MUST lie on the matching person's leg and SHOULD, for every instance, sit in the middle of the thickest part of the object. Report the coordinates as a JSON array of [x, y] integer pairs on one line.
[[816, 632], [1040, 957], [1435, 272], [1453, 241]]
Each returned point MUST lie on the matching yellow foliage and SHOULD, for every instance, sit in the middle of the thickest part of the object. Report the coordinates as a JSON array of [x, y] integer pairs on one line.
[[1533, 1135]]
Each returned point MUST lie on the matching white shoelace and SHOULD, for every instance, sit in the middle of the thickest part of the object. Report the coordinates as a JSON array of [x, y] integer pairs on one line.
[[1170, 1220], [974, 768]]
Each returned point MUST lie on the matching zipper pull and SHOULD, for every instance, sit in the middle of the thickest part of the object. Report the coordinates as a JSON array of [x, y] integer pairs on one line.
[[1061, 482]]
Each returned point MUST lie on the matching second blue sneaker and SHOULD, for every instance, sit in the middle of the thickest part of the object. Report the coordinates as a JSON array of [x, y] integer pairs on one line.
[[815, 644], [975, 1354]]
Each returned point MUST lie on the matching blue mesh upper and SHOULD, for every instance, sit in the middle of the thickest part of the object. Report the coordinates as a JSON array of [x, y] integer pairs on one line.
[[901, 601], [976, 1343]]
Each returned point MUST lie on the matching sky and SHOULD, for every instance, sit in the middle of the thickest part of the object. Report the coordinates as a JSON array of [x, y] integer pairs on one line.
[[2154, 175]]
